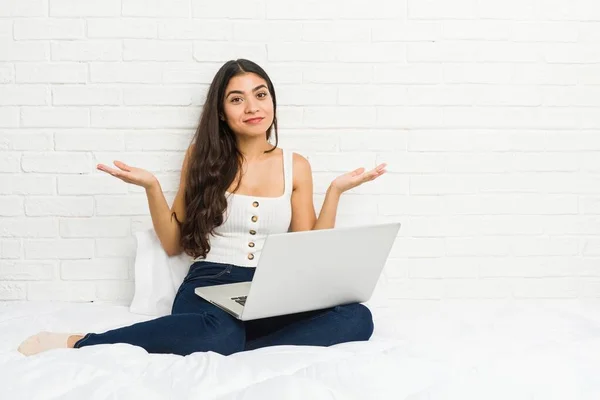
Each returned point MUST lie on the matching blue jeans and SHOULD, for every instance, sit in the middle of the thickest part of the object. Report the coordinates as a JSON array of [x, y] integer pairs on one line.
[[197, 325]]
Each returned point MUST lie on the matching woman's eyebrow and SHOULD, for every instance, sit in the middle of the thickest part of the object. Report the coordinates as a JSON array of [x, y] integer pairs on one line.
[[241, 92]]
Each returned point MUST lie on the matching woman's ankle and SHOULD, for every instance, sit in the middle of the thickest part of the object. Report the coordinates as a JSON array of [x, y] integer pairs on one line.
[[72, 340]]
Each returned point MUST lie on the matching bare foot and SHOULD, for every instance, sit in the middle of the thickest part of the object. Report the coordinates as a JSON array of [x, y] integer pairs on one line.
[[44, 341]]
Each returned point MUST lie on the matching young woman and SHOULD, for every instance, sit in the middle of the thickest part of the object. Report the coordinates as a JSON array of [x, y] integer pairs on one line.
[[236, 187]]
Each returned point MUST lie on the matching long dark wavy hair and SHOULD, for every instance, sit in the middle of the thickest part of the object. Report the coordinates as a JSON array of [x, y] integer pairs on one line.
[[215, 161]]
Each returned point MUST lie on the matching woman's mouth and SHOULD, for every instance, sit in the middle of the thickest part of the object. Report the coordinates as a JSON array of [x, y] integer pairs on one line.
[[253, 121]]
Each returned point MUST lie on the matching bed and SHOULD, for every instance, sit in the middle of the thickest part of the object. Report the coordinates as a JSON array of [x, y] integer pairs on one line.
[[462, 349]]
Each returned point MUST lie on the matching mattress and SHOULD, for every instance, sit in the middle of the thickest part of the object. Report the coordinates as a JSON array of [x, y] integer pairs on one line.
[[463, 349]]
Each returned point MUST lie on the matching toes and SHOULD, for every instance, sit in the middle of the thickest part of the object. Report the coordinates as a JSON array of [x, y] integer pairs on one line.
[[31, 345], [43, 341], [27, 345]]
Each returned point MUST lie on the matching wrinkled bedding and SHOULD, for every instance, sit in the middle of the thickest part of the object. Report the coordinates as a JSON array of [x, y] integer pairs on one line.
[[464, 349]]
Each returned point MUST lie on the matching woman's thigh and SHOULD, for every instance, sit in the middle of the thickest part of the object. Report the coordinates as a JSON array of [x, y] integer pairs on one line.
[[264, 326], [206, 274], [324, 327]]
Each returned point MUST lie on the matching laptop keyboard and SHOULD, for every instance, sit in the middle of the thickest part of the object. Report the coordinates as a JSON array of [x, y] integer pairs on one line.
[[240, 300]]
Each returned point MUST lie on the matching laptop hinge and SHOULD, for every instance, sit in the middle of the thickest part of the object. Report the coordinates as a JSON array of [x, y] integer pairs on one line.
[[222, 307]]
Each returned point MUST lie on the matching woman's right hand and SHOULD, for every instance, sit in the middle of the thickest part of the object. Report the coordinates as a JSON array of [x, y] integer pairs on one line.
[[129, 174]]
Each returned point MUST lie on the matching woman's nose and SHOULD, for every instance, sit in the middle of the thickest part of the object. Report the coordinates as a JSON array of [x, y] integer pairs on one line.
[[251, 107]]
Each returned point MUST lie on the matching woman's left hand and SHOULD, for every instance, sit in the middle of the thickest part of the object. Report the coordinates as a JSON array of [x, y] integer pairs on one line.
[[357, 177]]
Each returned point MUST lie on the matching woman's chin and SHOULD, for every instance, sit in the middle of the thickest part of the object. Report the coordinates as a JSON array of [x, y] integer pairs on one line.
[[254, 131]]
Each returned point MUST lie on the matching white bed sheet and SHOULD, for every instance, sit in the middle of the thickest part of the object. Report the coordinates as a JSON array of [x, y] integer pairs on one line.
[[469, 349]]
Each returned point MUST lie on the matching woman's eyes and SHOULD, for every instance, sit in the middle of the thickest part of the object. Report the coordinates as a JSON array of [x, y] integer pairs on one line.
[[260, 95]]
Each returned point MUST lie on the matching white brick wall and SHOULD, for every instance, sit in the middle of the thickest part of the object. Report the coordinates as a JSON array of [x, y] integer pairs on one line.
[[487, 112]]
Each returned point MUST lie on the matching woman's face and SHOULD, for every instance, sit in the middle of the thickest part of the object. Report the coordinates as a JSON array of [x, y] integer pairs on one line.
[[248, 105]]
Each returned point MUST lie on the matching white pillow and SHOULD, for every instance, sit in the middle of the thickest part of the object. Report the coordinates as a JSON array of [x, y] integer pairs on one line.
[[157, 276]]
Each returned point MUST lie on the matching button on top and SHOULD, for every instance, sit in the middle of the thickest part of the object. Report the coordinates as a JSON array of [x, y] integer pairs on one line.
[[254, 218], [255, 204]]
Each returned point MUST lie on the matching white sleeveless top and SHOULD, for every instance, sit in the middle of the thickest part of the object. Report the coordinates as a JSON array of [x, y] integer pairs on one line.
[[248, 220]]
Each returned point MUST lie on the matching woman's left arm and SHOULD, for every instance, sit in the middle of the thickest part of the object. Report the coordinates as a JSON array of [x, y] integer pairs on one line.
[[303, 210]]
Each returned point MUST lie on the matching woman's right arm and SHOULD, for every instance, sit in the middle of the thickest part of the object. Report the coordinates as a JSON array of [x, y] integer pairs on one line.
[[163, 220], [166, 227]]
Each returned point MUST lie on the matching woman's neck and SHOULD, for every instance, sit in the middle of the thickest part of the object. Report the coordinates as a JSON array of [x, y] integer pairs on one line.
[[253, 149]]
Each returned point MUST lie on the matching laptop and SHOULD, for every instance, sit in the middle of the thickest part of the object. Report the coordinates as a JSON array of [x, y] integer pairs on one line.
[[309, 270]]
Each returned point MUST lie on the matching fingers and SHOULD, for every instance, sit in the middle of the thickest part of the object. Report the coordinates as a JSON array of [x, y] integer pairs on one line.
[[380, 170], [381, 167], [122, 165], [358, 171], [374, 173], [112, 171], [104, 168], [123, 174]]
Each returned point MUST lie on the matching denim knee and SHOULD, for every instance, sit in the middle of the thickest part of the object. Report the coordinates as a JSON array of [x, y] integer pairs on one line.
[[359, 320], [219, 335]]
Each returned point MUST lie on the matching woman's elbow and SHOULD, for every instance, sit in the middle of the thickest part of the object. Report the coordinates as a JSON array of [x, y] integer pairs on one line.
[[173, 251]]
